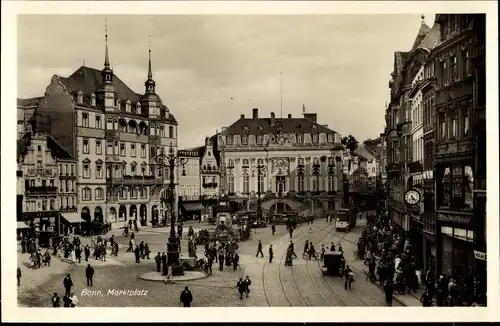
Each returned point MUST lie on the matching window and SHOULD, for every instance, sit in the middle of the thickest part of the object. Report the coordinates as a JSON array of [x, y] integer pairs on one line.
[[171, 132], [300, 139], [86, 148], [246, 162], [98, 171], [315, 138], [453, 127], [99, 194], [143, 150], [260, 139], [466, 63], [331, 182], [331, 161], [444, 74], [98, 147], [109, 148], [133, 193], [454, 68], [315, 183], [466, 125], [122, 149], [132, 150], [300, 183], [98, 122], [442, 129], [143, 171], [260, 161], [51, 205], [44, 205], [230, 183], [229, 139], [123, 193], [133, 170], [152, 151], [115, 151], [86, 194], [86, 171], [330, 138], [244, 139], [230, 163], [260, 181], [109, 123], [162, 131], [85, 120]]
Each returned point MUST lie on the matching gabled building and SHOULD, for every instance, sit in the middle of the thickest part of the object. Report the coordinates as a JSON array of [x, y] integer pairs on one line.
[[115, 134]]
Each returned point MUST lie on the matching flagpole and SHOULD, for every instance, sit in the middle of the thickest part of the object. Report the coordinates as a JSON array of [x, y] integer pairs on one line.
[[281, 94]]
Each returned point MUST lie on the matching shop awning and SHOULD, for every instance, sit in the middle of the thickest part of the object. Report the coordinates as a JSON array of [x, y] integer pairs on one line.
[[22, 225], [192, 207], [72, 217], [415, 167]]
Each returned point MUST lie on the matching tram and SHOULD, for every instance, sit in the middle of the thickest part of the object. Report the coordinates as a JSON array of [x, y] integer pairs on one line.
[[345, 219]]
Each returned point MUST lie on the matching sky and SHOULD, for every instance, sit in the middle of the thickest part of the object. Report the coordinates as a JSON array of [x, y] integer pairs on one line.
[[211, 69]]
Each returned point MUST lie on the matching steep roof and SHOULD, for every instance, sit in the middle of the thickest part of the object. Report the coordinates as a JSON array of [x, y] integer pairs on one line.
[[56, 149], [424, 29], [289, 125], [28, 102], [88, 80], [364, 153], [431, 39]]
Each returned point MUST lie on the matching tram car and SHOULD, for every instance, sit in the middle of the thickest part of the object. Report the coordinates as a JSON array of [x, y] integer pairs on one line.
[[345, 220], [332, 263]]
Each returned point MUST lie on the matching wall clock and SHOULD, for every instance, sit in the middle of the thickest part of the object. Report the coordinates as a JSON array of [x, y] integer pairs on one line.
[[412, 197]]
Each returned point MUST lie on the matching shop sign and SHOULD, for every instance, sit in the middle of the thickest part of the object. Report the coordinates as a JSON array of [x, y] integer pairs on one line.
[[479, 255], [454, 218], [428, 175]]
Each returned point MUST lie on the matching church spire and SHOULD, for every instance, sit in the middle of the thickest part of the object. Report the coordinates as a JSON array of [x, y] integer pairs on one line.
[[150, 83], [106, 55]]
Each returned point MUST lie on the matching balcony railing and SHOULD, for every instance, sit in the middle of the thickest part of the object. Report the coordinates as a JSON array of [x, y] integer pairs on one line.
[[135, 180], [41, 190], [209, 184]]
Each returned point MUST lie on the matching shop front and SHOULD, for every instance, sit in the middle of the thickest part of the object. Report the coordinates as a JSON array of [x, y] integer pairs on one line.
[[191, 210], [44, 225], [457, 251]]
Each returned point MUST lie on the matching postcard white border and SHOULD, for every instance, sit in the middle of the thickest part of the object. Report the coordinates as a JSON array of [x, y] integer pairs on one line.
[[10, 311]]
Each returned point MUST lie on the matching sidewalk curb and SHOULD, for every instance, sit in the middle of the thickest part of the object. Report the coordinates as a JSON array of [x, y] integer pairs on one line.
[[396, 297]]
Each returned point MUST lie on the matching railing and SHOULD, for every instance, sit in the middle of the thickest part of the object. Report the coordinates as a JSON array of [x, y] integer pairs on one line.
[[131, 180], [210, 185], [41, 190]]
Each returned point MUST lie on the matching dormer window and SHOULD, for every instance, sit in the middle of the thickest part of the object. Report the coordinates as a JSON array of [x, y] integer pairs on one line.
[[261, 129], [245, 129], [300, 139], [330, 138], [138, 107], [118, 103], [314, 127], [128, 106], [315, 138], [260, 139], [244, 139], [79, 97], [229, 139], [92, 99]]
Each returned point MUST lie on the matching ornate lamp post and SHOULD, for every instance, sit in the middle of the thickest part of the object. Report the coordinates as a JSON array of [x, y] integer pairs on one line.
[[261, 170], [170, 161]]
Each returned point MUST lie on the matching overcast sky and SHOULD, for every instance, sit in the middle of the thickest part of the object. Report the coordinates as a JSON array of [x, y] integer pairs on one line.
[[210, 69]]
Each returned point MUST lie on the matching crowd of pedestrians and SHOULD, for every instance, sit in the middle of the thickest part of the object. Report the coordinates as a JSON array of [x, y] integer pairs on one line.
[[391, 262]]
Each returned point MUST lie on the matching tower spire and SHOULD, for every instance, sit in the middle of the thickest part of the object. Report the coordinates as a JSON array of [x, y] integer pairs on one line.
[[423, 18], [106, 56], [150, 73]]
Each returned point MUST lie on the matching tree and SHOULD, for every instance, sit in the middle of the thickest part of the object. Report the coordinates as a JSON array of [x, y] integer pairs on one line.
[[350, 142], [372, 142]]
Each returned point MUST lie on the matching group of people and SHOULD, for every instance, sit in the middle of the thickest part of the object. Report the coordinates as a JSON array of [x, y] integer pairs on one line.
[[223, 252], [391, 261]]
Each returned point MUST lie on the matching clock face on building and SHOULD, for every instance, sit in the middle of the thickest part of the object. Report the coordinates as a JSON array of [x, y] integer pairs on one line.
[[412, 197]]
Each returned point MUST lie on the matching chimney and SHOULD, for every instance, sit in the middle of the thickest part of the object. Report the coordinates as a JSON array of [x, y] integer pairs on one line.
[[243, 116], [273, 122], [255, 113], [289, 115]]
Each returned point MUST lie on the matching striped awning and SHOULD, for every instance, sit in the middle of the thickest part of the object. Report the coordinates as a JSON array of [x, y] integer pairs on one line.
[[192, 207], [72, 217]]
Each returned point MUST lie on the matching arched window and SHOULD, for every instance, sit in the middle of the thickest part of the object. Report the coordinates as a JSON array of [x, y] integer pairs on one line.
[[86, 194], [99, 194]]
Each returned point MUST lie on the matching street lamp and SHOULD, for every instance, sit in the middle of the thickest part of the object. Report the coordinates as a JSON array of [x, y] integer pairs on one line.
[[261, 170], [170, 161]]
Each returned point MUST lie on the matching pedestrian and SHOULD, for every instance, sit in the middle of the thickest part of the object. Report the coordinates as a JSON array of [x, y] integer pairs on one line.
[[158, 263], [164, 264], [312, 252], [241, 287], [292, 248], [170, 275], [221, 261], [78, 253], [389, 290], [74, 300], [68, 284], [186, 297], [332, 247], [426, 299], [273, 228], [104, 252], [247, 282], [147, 251], [141, 249], [322, 252], [89, 274], [116, 249], [86, 251], [137, 254], [19, 276], [236, 261], [259, 249], [271, 253], [56, 301], [306, 249], [66, 301], [209, 265]]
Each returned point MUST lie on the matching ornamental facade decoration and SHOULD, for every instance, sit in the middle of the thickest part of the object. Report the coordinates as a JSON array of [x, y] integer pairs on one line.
[[280, 165]]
